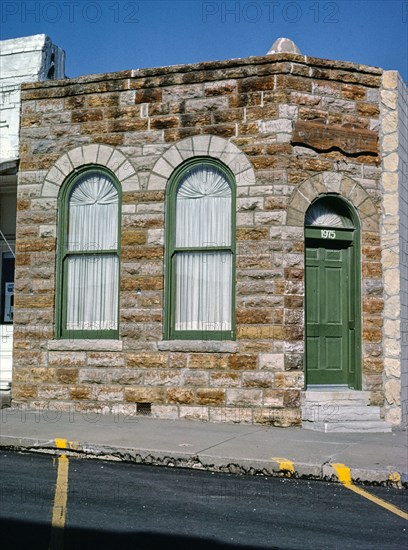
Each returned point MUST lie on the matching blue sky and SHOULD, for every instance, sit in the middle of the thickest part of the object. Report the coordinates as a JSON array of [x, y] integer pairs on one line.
[[112, 35]]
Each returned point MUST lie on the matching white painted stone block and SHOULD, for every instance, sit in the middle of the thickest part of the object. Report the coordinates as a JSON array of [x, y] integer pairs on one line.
[[104, 154], [55, 175], [125, 171], [173, 157], [64, 164], [275, 126], [49, 189], [131, 184], [156, 182], [246, 177], [91, 153], [217, 146], [201, 145], [186, 148], [116, 160], [163, 168], [76, 157]]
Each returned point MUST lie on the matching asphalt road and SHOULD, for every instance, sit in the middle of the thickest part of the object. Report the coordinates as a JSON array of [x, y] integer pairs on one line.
[[117, 505]]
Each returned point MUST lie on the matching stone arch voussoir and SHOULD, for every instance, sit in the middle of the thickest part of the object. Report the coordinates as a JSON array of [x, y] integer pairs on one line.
[[203, 145], [333, 183], [95, 153]]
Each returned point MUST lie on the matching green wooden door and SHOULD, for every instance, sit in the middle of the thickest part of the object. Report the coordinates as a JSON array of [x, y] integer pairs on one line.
[[328, 305]]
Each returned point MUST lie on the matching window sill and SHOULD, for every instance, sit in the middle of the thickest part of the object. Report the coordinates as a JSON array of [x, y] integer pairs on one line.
[[203, 346], [85, 345]]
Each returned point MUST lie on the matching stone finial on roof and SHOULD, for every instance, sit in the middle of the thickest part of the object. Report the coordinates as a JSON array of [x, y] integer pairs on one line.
[[284, 45]]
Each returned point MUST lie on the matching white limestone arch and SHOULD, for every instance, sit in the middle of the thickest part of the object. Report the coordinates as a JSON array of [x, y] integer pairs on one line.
[[205, 146], [95, 153], [332, 183]]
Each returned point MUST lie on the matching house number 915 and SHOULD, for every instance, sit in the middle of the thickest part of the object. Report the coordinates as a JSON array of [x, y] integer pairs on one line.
[[327, 234]]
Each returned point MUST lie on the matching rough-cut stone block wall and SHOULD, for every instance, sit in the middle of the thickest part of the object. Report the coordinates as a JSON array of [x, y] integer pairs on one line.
[[403, 231], [394, 146], [144, 123]]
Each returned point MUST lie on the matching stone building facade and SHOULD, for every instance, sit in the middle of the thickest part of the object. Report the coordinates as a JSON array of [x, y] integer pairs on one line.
[[300, 140]]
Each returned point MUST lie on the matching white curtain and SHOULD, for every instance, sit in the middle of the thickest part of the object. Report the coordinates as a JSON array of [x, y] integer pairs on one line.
[[92, 285], [321, 214], [203, 278]]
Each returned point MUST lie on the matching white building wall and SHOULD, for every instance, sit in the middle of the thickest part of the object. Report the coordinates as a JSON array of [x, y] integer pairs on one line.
[[27, 59]]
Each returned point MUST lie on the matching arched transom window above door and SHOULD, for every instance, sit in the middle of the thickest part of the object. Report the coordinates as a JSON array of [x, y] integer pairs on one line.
[[328, 212]]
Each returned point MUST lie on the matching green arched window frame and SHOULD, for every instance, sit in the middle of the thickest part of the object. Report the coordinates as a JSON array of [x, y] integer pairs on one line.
[[170, 332], [91, 252]]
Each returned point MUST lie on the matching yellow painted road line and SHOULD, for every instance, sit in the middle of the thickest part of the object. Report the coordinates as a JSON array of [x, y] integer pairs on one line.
[[285, 465], [343, 473], [60, 505]]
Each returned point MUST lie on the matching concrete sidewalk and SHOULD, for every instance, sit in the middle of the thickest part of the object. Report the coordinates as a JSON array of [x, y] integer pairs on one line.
[[235, 448]]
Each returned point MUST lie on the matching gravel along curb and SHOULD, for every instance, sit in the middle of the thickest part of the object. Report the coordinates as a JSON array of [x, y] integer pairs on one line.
[[275, 467]]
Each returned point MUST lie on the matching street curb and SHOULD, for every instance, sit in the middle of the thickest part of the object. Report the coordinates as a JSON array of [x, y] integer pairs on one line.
[[203, 461]]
